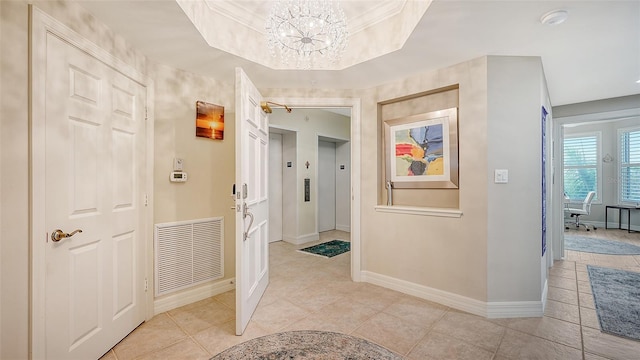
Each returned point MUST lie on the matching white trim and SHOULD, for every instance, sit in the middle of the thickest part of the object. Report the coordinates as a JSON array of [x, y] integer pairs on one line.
[[302, 239], [545, 293], [611, 224], [345, 228], [189, 296], [325, 138], [607, 116], [558, 137], [148, 231], [514, 309], [356, 140], [491, 310], [423, 211], [42, 24], [518, 309], [455, 301], [620, 131]]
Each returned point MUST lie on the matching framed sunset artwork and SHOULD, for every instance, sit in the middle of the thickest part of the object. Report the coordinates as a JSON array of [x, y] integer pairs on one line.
[[209, 120]]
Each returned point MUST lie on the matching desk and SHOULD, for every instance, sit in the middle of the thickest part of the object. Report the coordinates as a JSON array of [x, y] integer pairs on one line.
[[620, 208]]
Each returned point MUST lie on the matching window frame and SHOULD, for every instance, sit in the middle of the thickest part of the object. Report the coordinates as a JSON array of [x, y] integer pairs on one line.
[[598, 134], [619, 164]]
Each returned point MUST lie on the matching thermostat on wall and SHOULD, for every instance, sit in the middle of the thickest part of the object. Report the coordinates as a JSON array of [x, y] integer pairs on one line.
[[178, 176]]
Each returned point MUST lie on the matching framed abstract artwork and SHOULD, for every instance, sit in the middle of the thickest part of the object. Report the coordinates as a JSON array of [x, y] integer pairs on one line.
[[209, 120], [421, 151]]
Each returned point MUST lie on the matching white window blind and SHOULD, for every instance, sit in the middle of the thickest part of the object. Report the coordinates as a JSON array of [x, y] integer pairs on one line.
[[630, 166], [581, 168]]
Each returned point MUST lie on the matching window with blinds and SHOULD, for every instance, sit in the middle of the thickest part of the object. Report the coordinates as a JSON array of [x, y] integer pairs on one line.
[[629, 164], [581, 166]]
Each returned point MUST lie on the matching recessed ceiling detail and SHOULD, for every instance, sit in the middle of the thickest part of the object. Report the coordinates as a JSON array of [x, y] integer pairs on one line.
[[376, 28]]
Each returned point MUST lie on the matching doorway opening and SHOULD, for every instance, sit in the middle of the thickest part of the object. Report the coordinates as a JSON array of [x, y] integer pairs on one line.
[[305, 165], [603, 128]]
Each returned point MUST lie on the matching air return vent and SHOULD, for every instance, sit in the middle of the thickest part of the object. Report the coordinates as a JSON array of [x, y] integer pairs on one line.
[[188, 253]]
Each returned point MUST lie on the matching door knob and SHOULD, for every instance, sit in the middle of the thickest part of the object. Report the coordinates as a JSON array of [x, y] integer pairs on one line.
[[59, 234]]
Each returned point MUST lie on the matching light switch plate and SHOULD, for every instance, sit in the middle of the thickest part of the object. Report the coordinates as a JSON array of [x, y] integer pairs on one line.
[[501, 176]]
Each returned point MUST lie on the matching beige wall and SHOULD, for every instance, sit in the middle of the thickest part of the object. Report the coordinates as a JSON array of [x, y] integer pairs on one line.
[[14, 179], [448, 254], [209, 164]]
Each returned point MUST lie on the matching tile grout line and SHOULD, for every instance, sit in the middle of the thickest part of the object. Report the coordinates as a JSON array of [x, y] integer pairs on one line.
[[504, 333], [429, 330], [575, 270], [188, 336]]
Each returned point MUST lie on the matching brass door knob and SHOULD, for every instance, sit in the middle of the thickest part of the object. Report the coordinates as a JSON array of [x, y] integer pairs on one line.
[[59, 234]]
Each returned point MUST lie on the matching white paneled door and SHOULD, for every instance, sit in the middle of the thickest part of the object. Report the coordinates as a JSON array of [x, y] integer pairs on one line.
[[94, 181], [252, 205]]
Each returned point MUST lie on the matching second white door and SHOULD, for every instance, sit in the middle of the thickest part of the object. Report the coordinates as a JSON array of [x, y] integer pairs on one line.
[[94, 161]]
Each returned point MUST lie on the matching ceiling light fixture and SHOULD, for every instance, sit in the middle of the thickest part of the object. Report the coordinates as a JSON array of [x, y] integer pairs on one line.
[[554, 17], [307, 33]]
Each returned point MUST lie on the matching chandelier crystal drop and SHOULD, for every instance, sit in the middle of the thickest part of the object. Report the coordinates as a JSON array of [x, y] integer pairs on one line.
[[307, 33]]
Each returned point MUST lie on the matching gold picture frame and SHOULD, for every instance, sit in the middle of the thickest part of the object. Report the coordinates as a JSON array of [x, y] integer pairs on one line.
[[421, 151]]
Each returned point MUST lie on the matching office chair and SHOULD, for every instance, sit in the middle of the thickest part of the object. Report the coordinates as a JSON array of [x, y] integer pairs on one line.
[[585, 210]]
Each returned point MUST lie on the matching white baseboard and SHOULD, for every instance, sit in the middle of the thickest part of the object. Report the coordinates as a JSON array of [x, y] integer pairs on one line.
[[473, 306], [514, 309], [424, 292], [545, 293], [600, 225], [170, 302], [346, 228], [302, 239]]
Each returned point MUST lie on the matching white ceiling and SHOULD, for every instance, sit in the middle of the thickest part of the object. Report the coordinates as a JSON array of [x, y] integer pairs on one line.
[[593, 55]]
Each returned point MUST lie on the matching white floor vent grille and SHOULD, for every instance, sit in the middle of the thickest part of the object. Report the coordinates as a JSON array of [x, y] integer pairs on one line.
[[188, 253]]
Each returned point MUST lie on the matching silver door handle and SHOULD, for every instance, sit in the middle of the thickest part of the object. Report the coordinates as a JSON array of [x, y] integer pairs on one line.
[[245, 213], [59, 234]]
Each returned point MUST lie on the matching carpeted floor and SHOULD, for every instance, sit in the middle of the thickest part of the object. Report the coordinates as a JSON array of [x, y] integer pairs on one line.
[[599, 246], [307, 345], [616, 294], [328, 249]]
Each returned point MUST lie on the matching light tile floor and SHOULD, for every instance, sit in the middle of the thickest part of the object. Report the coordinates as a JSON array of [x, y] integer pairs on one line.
[[309, 292]]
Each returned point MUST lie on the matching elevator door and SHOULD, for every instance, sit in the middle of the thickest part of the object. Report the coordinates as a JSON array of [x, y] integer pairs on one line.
[[326, 186], [275, 187]]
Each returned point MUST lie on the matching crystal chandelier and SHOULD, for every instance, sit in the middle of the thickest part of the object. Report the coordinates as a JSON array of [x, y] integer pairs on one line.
[[307, 33]]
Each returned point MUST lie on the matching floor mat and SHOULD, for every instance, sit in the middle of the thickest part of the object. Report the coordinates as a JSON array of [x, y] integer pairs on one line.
[[328, 249], [616, 294]]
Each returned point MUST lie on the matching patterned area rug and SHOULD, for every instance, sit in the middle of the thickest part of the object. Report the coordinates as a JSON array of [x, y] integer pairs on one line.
[[328, 249], [616, 294], [599, 246], [314, 345]]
